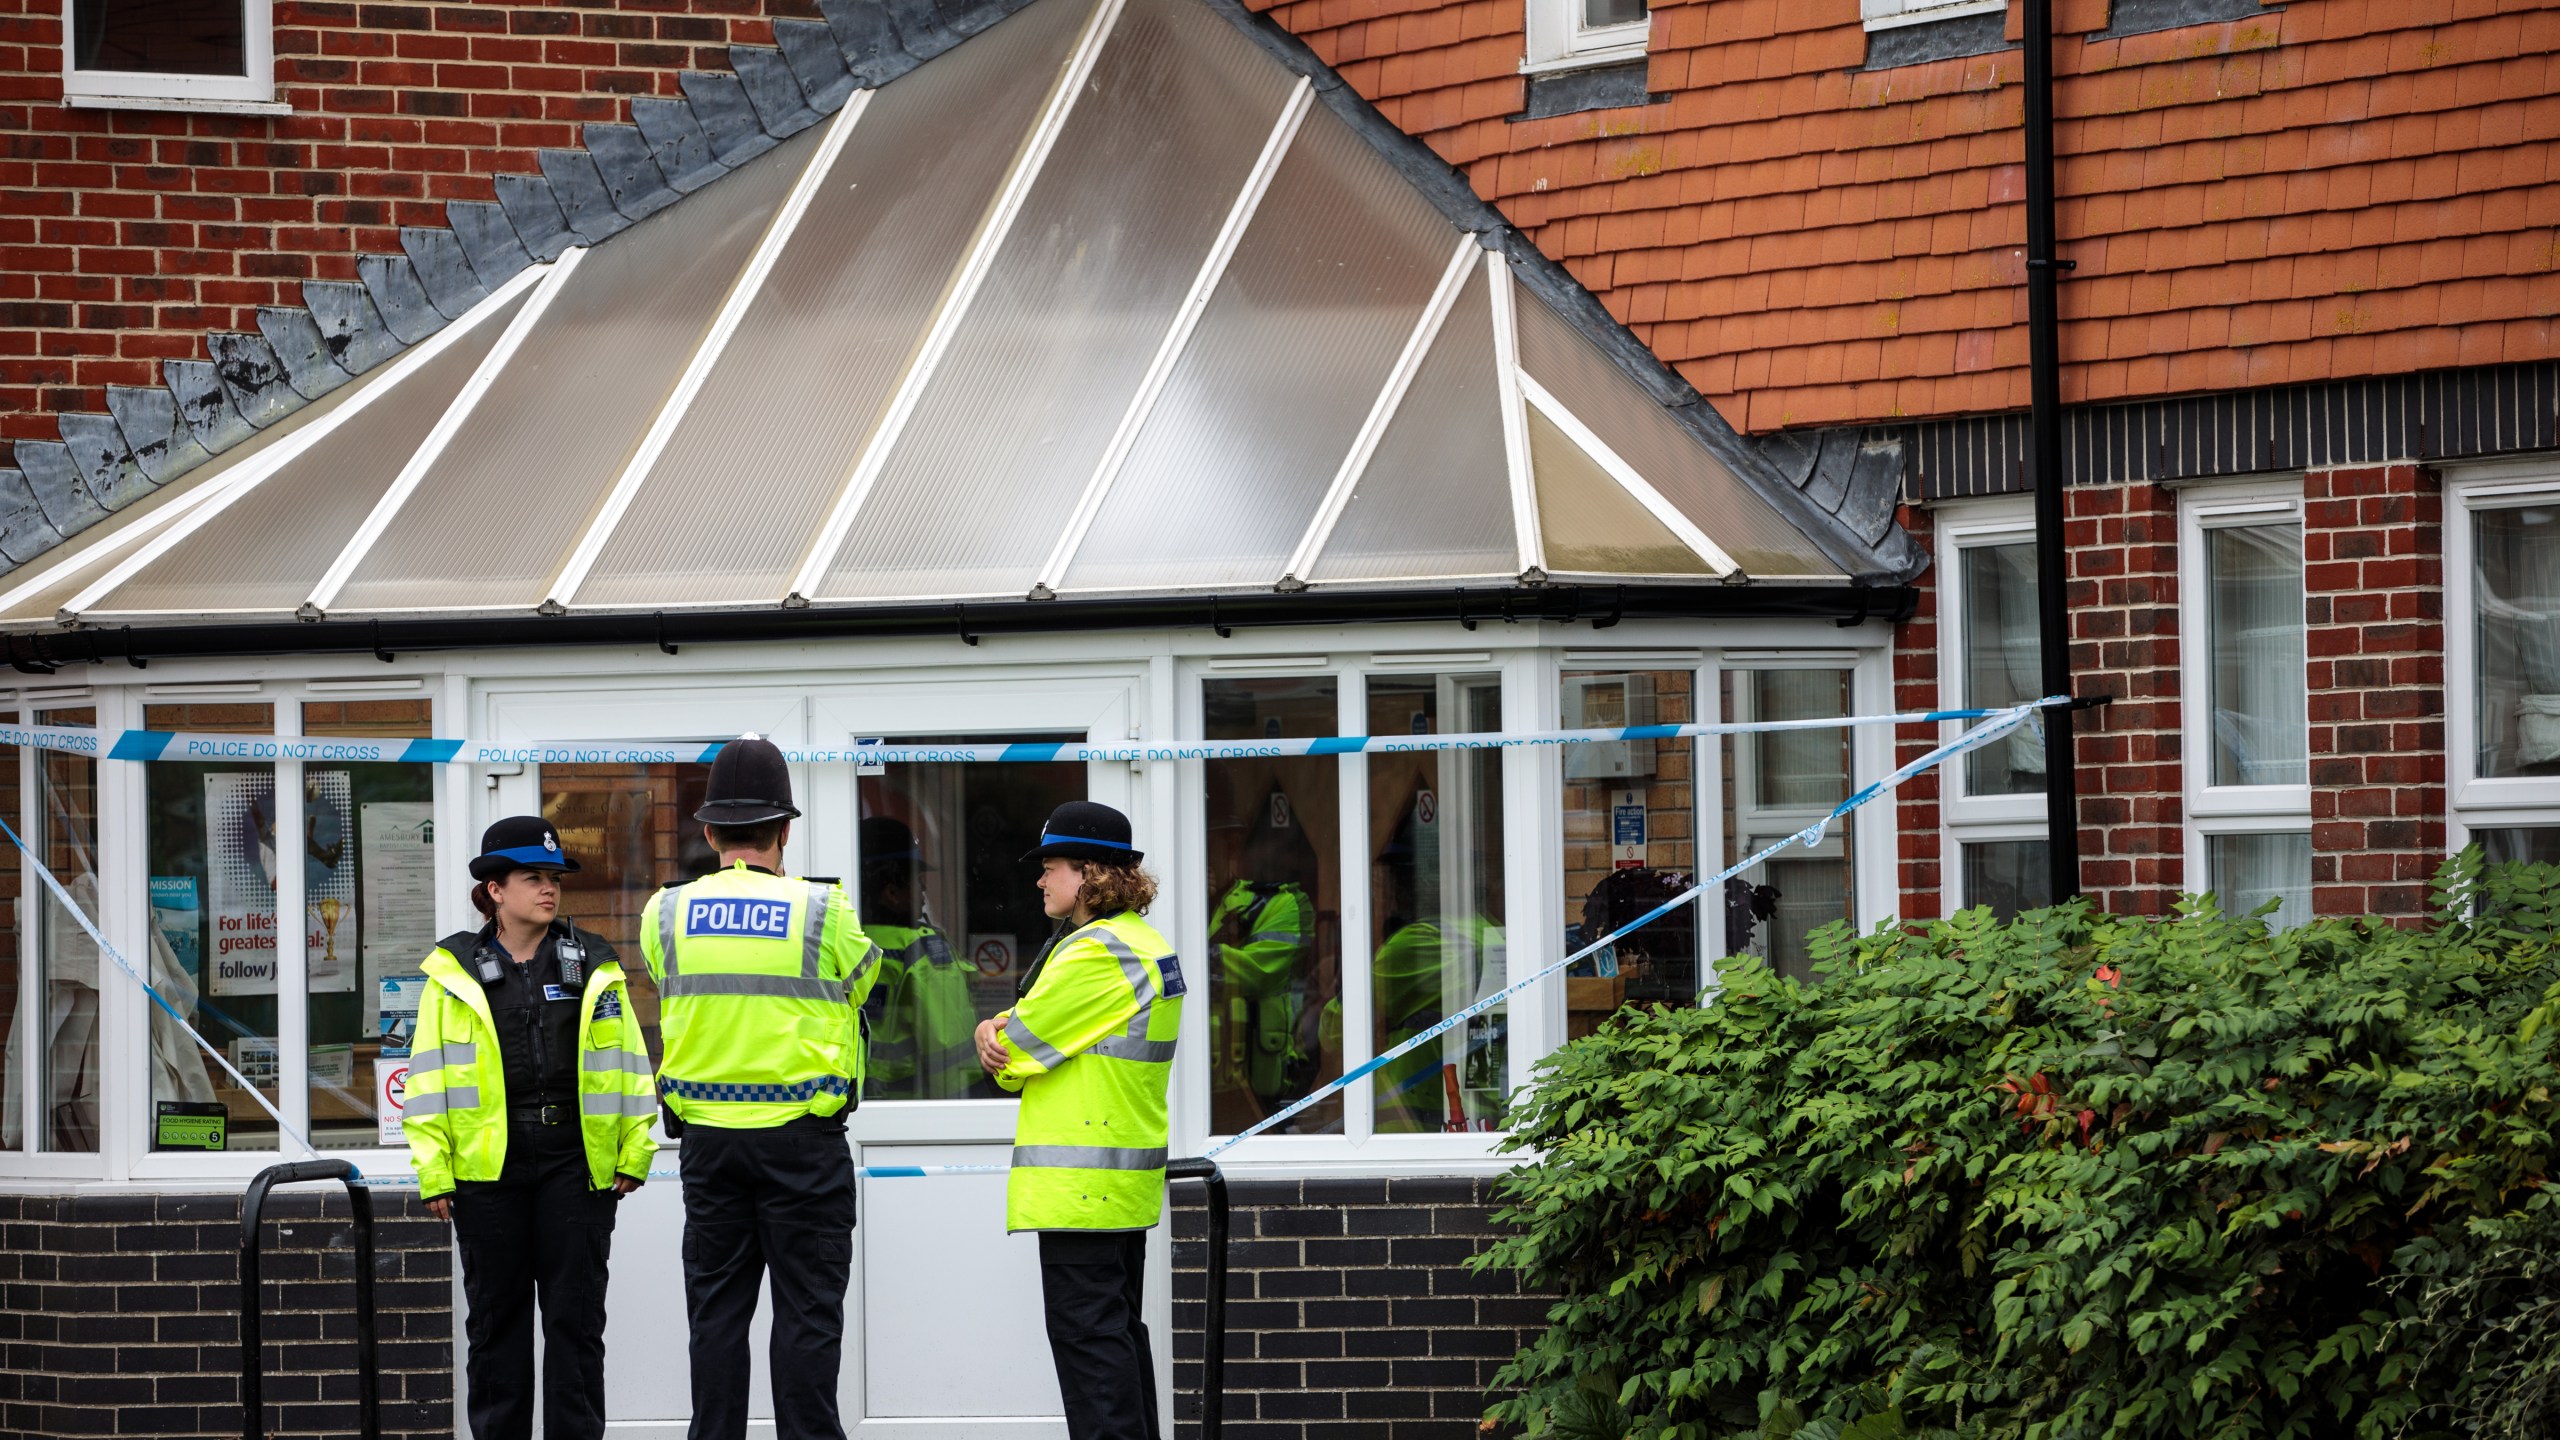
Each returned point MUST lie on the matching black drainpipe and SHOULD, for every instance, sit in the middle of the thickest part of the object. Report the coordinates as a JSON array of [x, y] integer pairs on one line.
[[2044, 388]]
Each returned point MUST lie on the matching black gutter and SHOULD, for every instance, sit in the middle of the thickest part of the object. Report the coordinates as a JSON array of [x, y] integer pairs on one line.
[[2044, 457], [1602, 606]]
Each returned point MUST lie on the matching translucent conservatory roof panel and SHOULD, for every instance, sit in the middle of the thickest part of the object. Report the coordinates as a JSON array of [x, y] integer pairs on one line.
[[1257, 416], [816, 356], [1588, 523], [1435, 498], [569, 405], [1078, 300], [262, 544], [1654, 442]]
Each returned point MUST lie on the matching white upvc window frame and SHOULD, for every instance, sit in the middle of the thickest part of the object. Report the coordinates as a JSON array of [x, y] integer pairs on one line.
[[1893, 14], [1558, 40], [2216, 810], [252, 92], [2474, 802], [1965, 818]]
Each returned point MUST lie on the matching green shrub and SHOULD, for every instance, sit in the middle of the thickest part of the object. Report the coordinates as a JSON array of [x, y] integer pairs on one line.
[[2071, 1176]]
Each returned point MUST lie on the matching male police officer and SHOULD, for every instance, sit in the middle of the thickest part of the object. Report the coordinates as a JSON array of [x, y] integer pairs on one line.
[[761, 978]]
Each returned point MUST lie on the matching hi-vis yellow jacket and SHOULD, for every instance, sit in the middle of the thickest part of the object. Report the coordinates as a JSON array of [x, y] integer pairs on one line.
[[760, 979], [455, 1116], [1090, 1046]]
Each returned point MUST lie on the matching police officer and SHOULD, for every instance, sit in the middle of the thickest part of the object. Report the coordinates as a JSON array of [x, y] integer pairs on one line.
[[1089, 1044], [761, 978], [528, 1115], [921, 1014]]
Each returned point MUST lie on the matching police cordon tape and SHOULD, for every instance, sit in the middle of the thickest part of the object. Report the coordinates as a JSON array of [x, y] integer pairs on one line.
[[177, 745], [1997, 722]]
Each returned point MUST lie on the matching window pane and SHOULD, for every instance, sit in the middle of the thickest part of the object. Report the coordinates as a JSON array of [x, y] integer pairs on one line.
[[2249, 870], [65, 1019], [1596, 13], [2253, 577], [947, 898], [164, 37], [2007, 875], [1779, 783], [1275, 829], [369, 915], [2517, 574], [2539, 845], [211, 842], [1436, 905], [631, 830], [2003, 663], [1630, 842], [13, 955]]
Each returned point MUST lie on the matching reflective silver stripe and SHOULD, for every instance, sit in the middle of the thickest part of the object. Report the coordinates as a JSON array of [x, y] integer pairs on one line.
[[1086, 1157], [813, 935], [461, 1097], [669, 902], [456, 1052], [1267, 937], [630, 1062], [617, 1104], [1032, 1045], [780, 987], [1133, 970], [1121, 1047]]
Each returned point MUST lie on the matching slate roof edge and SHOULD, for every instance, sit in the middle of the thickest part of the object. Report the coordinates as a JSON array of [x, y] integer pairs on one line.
[[674, 147]]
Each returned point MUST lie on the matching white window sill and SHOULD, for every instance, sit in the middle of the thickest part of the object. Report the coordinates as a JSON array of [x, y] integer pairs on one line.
[[1586, 60], [1937, 12], [179, 104]]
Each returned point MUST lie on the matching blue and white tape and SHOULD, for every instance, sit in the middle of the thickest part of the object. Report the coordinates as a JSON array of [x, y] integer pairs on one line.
[[179, 745]]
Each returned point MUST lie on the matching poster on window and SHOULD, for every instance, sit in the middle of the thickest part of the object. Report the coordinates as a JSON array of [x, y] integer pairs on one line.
[[241, 858], [397, 848]]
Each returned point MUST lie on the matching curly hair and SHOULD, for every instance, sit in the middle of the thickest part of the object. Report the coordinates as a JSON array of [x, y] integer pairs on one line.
[[1109, 889]]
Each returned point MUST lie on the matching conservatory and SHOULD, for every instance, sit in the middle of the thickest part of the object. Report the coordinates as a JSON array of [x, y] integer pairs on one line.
[[1097, 380]]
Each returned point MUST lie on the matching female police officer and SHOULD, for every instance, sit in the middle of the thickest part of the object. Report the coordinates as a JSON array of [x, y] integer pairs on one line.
[[528, 1113]]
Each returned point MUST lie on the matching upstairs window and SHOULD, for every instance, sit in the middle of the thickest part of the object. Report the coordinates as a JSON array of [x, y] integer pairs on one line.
[[170, 54], [2248, 778], [1569, 34], [1889, 14]]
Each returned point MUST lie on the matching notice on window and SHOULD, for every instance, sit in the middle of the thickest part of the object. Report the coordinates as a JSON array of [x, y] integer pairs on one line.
[[188, 1124], [398, 846], [241, 857], [399, 1014], [390, 1097], [179, 916]]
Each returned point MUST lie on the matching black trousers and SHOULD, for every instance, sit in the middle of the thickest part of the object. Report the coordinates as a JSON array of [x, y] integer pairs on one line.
[[774, 1201], [1090, 1284], [539, 1229]]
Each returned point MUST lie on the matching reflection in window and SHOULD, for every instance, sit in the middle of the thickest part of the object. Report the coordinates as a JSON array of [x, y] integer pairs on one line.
[[1275, 972], [2249, 870], [369, 914], [1780, 782], [2516, 582], [2010, 876], [2531, 845], [2003, 660], [214, 855], [66, 968], [1436, 904], [15, 960], [1629, 843], [946, 896], [2253, 585], [631, 830], [162, 37], [1598, 14]]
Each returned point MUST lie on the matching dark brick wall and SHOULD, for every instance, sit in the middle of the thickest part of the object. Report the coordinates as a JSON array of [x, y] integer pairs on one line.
[[1351, 1311], [119, 1315]]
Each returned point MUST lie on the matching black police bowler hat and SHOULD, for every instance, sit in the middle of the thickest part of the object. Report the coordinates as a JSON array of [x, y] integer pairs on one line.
[[1083, 830], [750, 782], [888, 841], [520, 842]]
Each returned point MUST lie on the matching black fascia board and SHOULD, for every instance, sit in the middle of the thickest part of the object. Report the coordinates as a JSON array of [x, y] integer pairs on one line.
[[1602, 606]]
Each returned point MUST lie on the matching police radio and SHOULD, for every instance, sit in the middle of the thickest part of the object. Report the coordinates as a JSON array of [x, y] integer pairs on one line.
[[572, 957], [489, 971]]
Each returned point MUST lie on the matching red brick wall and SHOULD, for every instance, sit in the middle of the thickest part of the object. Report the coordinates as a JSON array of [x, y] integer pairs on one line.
[[1916, 857], [2337, 188], [125, 235], [2373, 572], [2123, 541]]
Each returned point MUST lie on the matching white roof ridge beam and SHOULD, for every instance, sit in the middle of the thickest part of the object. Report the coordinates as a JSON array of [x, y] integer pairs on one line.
[[274, 458], [1382, 411], [955, 306], [1627, 476], [743, 292], [142, 528], [1515, 419], [555, 278], [1248, 202]]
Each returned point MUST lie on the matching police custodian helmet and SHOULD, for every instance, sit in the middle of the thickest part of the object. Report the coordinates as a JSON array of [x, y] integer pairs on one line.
[[1083, 830], [520, 842], [750, 783]]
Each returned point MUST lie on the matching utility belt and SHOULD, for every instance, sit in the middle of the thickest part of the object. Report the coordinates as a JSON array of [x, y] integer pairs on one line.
[[542, 1114]]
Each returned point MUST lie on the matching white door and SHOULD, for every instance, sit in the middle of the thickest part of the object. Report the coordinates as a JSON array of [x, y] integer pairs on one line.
[[943, 1332]]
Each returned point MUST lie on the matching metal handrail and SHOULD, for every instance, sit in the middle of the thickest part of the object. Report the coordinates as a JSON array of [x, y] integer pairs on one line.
[[1213, 1350], [252, 1381]]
